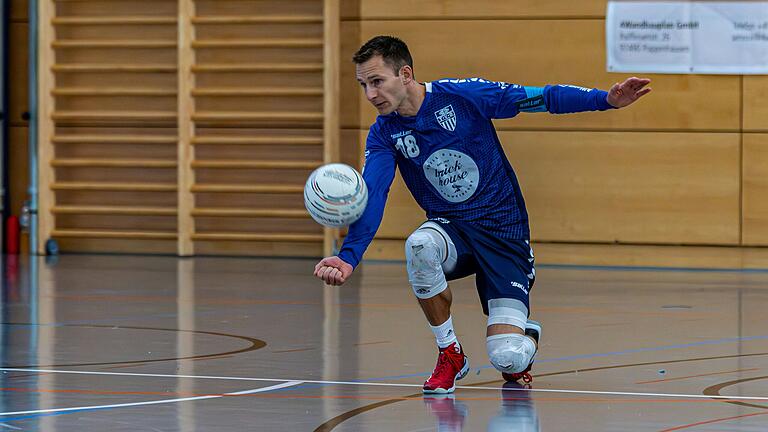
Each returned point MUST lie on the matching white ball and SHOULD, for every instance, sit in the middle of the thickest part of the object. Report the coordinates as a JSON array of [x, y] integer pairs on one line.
[[335, 195]]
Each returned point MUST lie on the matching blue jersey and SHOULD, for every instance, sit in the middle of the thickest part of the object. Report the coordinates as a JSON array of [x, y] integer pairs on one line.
[[451, 159]]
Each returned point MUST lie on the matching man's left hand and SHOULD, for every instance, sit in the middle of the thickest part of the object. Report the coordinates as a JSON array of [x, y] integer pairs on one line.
[[628, 92]]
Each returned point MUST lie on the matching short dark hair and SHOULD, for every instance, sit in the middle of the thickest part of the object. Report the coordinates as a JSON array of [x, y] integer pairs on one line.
[[393, 50]]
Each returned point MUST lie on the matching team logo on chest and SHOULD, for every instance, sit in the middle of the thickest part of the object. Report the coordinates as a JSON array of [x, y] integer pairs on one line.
[[453, 174], [447, 118]]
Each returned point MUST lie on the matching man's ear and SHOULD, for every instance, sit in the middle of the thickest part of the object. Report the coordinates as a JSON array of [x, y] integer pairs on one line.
[[406, 74]]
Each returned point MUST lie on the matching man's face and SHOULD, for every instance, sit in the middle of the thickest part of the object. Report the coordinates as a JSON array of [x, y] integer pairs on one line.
[[383, 89]]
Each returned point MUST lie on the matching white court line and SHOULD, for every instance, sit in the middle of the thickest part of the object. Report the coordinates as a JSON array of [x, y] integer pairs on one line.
[[157, 402], [591, 392]]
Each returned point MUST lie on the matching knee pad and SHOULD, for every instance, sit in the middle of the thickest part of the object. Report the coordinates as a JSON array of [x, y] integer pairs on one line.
[[424, 258], [507, 311], [510, 352]]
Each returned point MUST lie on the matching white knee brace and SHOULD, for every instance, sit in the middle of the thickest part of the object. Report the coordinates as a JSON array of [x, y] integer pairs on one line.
[[510, 352], [507, 311], [429, 252]]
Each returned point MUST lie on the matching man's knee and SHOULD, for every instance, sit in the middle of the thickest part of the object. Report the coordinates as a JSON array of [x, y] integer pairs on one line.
[[424, 257], [510, 352]]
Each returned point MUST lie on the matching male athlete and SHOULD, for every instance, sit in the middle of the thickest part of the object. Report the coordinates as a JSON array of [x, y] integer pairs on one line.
[[440, 135]]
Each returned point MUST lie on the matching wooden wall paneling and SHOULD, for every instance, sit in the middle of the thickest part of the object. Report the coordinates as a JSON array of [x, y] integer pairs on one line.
[[665, 188], [403, 10], [331, 128], [84, 38], [540, 52], [259, 114], [755, 185], [185, 150], [115, 135], [755, 94], [45, 132]]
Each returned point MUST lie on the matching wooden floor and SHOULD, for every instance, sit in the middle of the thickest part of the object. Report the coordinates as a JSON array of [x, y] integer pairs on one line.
[[129, 343]]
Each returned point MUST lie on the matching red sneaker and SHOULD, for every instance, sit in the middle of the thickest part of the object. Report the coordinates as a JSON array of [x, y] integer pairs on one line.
[[452, 365], [532, 329], [517, 376]]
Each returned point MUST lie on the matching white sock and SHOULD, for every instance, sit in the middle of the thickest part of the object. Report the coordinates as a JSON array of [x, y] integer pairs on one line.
[[444, 333]]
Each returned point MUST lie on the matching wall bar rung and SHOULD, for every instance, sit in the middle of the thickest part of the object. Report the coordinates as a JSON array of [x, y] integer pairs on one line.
[[258, 91], [243, 212], [259, 19], [112, 91], [113, 20], [259, 43], [265, 164], [115, 163], [265, 140], [258, 67], [114, 139], [144, 187], [145, 235], [116, 43], [115, 67], [251, 188], [258, 237], [115, 210]]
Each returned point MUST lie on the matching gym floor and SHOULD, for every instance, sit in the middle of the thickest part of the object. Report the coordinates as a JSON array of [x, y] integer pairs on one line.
[[153, 343]]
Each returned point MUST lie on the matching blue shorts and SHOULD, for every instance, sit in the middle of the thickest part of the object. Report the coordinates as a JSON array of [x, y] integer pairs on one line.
[[503, 269]]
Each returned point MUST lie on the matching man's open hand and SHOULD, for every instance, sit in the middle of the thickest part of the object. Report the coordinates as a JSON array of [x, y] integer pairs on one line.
[[628, 92]]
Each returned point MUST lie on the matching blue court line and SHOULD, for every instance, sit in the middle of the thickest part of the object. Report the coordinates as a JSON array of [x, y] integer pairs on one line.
[[31, 416]]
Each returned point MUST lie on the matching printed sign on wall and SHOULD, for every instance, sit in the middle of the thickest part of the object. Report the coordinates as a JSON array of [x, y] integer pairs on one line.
[[687, 37]]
